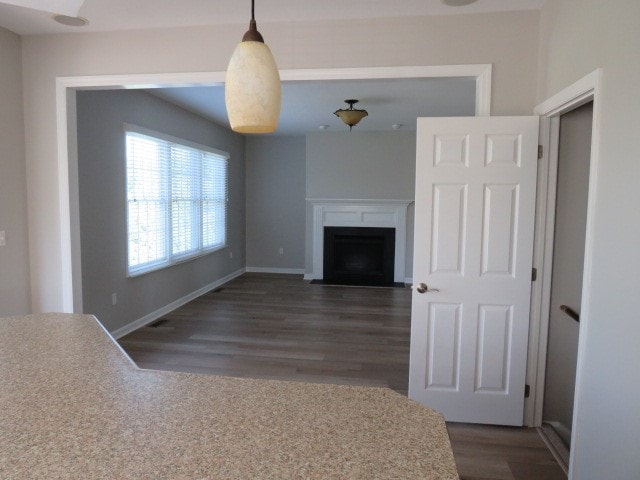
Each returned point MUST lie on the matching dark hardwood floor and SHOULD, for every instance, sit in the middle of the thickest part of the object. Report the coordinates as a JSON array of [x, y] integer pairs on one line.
[[281, 327], [485, 452]]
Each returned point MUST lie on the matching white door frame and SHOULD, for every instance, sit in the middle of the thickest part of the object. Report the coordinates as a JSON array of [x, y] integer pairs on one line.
[[583, 91], [70, 274]]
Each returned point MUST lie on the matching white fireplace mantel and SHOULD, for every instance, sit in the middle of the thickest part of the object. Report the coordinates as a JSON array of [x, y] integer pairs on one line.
[[335, 212]]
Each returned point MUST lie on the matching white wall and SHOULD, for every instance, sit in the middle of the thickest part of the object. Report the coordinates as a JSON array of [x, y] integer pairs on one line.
[[14, 261], [275, 186], [578, 36], [507, 40], [102, 192]]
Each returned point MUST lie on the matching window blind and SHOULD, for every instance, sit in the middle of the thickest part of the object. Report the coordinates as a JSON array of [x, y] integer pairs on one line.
[[177, 195]]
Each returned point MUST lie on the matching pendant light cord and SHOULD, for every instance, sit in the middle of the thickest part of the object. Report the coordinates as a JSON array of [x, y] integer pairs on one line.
[[252, 34]]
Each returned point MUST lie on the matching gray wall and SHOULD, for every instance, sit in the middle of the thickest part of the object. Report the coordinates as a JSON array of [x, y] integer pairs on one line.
[[275, 186], [101, 171], [568, 260], [14, 257], [360, 165]]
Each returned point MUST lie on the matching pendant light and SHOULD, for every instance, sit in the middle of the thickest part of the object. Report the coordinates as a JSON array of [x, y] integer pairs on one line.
[[252, 87], [351, 116]]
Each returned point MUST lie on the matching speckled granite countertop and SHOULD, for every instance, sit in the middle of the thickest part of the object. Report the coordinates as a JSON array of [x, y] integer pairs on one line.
[[72, 405]]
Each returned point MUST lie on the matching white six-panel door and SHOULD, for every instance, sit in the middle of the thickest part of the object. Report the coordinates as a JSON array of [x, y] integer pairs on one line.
[[474, 225]]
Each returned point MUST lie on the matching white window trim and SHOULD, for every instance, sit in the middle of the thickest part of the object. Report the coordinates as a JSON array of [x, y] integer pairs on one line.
[[179, 258]]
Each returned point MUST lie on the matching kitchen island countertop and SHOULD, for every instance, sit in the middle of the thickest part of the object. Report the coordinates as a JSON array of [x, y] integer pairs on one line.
[[73, 405]]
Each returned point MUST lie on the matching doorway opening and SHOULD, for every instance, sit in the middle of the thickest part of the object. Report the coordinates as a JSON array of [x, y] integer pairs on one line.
[[66, 87], [572, 188], [584, 91]]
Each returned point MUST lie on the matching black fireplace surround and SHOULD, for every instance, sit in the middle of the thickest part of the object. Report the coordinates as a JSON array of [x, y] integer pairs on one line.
[[359, 256]]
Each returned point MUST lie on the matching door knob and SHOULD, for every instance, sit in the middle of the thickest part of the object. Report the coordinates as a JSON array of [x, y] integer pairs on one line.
[[423, 288]]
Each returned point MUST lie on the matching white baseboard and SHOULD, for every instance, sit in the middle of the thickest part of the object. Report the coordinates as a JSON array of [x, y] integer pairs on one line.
[[141, 322], [563, 432], [408, 280], [308, 276], [295, 271], [556, 445]]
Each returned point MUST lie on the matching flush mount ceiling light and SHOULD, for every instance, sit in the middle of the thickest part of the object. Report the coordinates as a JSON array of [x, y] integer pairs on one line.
[[252, 87], [458, 3], [351, 116], [70, 21]]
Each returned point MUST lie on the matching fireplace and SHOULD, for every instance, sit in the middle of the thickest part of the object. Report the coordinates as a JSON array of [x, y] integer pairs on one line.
[[359, 256], [335, 212]]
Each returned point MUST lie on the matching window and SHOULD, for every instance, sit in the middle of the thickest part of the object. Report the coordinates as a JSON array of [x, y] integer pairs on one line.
[[177, 194]]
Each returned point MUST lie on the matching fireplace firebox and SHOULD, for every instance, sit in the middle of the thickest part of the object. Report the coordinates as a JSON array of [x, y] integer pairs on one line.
[[359, 256]]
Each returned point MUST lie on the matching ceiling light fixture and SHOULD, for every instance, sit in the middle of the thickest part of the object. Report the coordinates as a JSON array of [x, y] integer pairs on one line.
[[458, 3], [351, 116], [70, 21], [252, 87]]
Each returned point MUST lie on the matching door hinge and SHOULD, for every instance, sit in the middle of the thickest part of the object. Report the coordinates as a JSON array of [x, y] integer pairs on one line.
[[540, 151], [527, 391], [534, 274]]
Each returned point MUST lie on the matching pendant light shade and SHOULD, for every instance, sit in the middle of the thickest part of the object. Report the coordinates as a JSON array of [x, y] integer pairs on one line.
[[252, 86], [351, 116]]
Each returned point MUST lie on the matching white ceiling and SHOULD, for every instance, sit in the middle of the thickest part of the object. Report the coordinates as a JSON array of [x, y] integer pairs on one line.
[[30, 17], [307, 105]]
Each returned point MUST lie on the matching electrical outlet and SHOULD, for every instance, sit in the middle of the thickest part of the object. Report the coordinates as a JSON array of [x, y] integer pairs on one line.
[[114, 298], [3, 238], [230, 254], [281, 251]]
